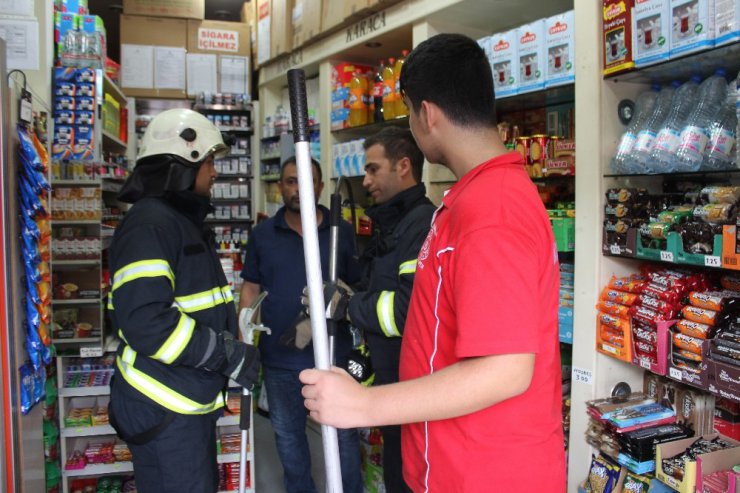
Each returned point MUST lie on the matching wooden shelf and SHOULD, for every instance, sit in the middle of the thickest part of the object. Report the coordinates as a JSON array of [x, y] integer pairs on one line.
[[84, 391], [110, 87], [113, 143], [223, 107], [99, 469], [86, 431]]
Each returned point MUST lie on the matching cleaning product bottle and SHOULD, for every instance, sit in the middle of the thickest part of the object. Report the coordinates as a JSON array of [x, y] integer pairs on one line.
[[357, 90], [389, 91], [400, 106], [378, 93]]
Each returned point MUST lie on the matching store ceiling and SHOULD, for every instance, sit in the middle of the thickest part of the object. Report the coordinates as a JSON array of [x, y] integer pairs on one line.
[[109, 10]]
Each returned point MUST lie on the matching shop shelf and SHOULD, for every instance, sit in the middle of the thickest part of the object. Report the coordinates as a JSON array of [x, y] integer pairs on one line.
[[84, 391], [99, 469], [85, 431]]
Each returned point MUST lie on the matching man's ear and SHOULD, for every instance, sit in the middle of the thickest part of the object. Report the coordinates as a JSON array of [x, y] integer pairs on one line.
[[403, 167]]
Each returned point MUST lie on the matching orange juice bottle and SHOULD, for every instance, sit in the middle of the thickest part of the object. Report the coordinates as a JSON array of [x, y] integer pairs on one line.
[[389, 91], [400, 106], [357, 108]]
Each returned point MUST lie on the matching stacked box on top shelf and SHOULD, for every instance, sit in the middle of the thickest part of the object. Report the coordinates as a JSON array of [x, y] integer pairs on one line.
[[74, 113]]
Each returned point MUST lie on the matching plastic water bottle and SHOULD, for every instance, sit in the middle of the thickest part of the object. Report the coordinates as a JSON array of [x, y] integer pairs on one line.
[[720, 151], [695, 135], [643, 109], [639, 159], [666, 142]]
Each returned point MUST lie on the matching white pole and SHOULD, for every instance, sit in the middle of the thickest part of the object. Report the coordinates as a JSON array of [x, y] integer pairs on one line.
[[316, 306]]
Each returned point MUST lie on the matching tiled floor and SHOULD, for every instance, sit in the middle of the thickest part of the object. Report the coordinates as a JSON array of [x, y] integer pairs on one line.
[[269, 471]]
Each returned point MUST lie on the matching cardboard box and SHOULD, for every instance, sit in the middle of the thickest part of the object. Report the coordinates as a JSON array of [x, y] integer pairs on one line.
[[691, 471], [156, 31], [264, 28], [281, 28], [651, 31], [188, 9], [726, 22], [504, 63], [617, 31], [247, 14], [531, 51], [219, 37], [306, 20], [724, 380], [560, 39], [693, 26], [332, 14]]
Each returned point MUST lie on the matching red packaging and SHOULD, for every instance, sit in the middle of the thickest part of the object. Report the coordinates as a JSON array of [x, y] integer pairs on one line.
[[617, 36]]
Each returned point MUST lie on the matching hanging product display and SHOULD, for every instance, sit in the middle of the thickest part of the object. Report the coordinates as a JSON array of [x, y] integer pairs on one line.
[[36, 234]]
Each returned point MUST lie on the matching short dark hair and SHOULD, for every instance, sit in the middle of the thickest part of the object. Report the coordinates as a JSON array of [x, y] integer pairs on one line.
[[292, 160], [453, 72], [399, 143]]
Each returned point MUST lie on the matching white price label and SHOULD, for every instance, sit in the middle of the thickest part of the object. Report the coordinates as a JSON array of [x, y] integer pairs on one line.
[[582, 375], [645, 364], [615, 250], [666, 256], [675, 373], [712, 261], [91, 352], [609, 349]]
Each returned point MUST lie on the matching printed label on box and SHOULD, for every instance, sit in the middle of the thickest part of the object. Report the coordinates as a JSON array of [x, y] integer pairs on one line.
[[504, 63], [560, 39], [531, 54], [651, 28], [693, 26]]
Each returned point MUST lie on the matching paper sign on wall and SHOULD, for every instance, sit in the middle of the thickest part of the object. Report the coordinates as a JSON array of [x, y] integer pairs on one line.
[[137, 66], [21, 43], [218, 40], [169, 68], [201, 74], [234, 74]]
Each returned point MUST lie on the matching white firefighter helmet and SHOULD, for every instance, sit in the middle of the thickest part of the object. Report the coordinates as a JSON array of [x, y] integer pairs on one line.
[[182, 133]]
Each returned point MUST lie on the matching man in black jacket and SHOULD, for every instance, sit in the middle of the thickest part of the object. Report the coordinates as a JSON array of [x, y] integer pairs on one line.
[[401, 219], [173, 309]]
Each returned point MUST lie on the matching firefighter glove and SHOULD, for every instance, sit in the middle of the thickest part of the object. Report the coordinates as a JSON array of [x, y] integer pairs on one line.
[[241, 362], [336, 297], [299, 334]]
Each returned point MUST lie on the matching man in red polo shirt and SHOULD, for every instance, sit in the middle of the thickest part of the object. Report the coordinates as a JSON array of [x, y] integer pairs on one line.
[[480, 394]]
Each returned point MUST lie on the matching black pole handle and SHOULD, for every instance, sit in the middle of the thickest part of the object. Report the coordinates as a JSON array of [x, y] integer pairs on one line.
[[298, 104]]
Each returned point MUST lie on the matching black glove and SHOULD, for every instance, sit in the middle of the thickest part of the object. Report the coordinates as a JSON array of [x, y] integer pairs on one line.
[[336, 297], [235, 359], [299, 335]]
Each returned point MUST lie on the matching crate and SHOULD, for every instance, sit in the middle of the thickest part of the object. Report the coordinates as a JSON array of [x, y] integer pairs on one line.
[[730, 259], [564, 229], [620, 353], [663, 343], [670, 254], [713, 259], [692, 472], [700, 379], [623, 250]]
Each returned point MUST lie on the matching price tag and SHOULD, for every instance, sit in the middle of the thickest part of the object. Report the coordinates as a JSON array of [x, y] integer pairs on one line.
[[608, 348], [666, 256], [91, 352], [582, 375], [712, 261], [675, 373], [615, 250], [645, 364]]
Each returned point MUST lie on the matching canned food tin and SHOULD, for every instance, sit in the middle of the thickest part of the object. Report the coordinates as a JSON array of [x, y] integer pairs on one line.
[[538, 148], [522, 147]]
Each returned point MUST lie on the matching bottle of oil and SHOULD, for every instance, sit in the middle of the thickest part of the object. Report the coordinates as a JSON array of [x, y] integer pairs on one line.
[[357, 108], [400, 106], [389, 91], [378, 93]]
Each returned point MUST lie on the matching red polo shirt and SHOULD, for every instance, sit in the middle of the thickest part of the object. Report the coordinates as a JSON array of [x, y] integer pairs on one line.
[[487, 283]]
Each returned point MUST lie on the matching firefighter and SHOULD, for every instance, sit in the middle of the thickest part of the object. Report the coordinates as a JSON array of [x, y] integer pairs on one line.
[[173, 310]]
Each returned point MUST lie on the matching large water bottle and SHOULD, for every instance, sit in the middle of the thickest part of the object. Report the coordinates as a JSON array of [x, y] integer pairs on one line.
[[643, 109], [721, 149], [666, 142], [638, 160], [695, 135]]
